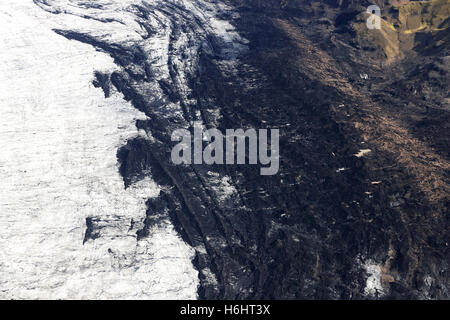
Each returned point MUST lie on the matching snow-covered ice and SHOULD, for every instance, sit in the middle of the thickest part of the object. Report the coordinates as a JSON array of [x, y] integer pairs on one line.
[[374, 285], [58, 142]]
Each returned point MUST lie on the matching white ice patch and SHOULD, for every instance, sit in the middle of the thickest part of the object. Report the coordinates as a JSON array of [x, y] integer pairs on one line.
[[373, 287], [222, 187], [58, 142], [362, 153], [210, 278]]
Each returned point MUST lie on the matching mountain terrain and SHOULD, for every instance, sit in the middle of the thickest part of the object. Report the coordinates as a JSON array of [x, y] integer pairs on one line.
[[359, 208]]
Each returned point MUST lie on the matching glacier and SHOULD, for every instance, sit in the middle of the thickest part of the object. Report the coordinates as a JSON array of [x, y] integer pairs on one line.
[[59, 138]]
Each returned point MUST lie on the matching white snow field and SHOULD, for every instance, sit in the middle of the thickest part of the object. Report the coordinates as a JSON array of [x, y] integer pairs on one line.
[[58, 142]]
